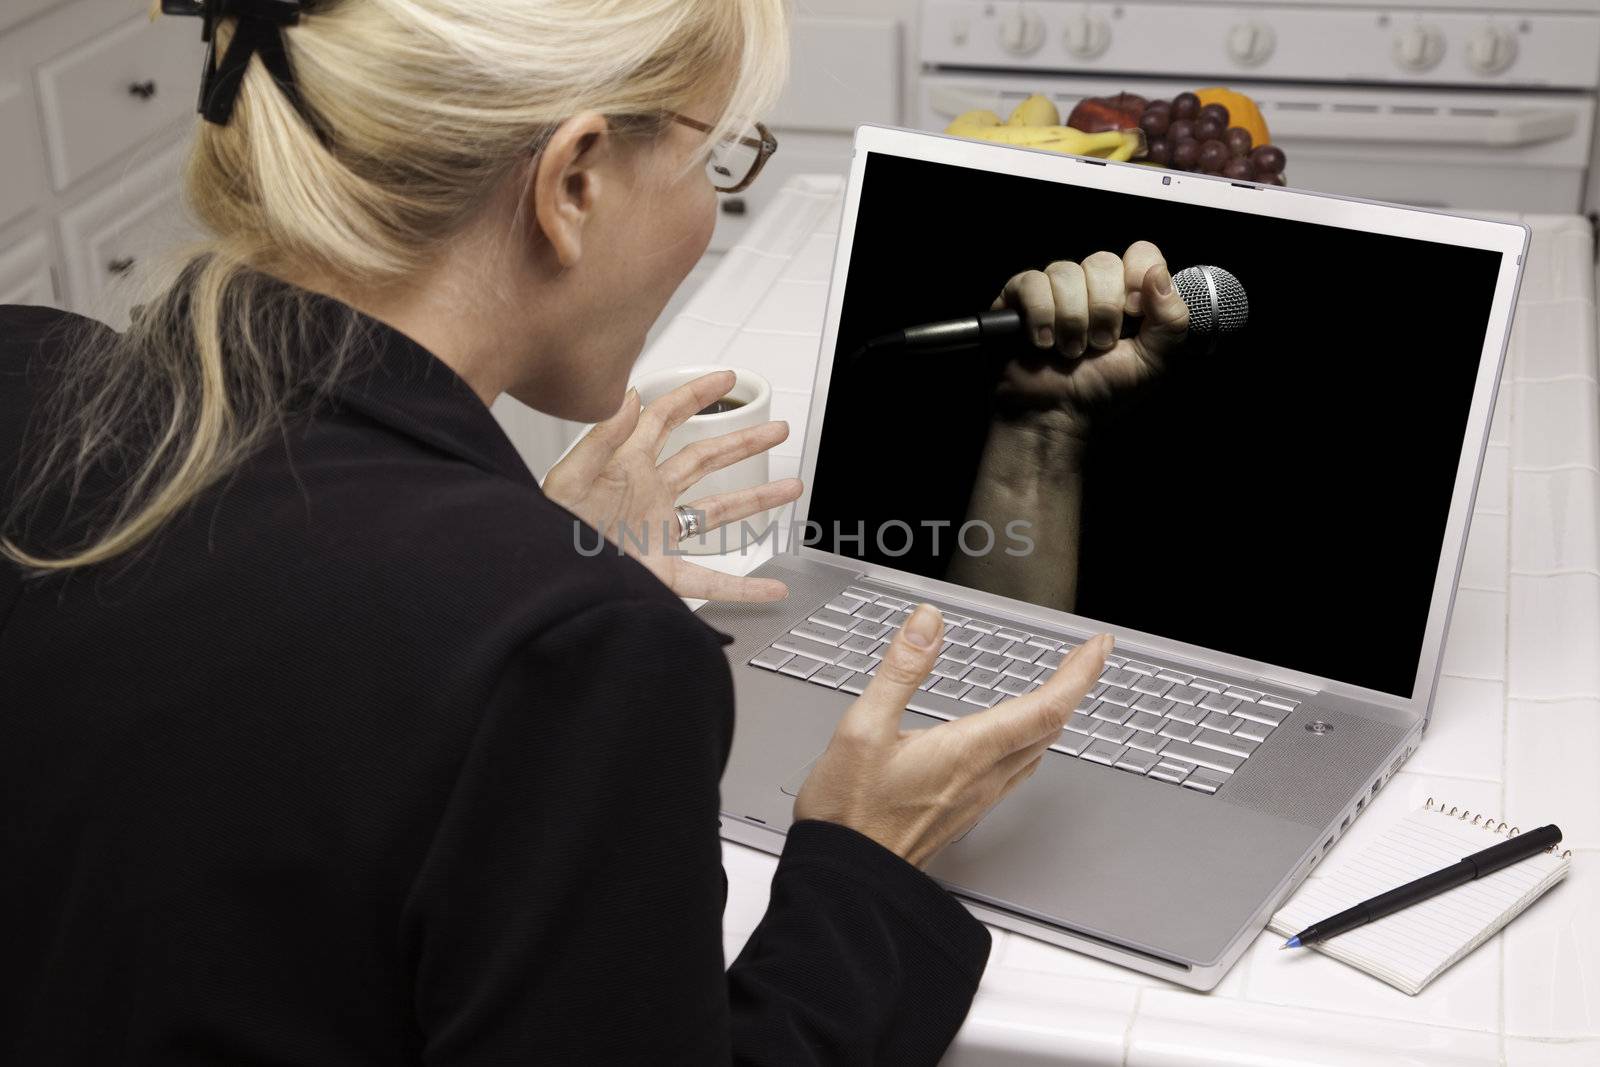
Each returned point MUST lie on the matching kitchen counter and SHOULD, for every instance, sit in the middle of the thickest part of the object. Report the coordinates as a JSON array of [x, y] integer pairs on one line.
[[1515, 733]]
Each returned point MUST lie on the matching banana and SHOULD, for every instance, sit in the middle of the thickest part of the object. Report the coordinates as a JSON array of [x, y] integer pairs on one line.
[[975, 118], [1118, 145], [1037, 110]]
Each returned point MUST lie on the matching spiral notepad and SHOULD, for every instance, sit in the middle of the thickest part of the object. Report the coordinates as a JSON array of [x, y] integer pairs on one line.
[[1412, 947]]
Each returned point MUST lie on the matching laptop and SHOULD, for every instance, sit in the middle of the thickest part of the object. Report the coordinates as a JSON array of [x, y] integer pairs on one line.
[[1272, 530]]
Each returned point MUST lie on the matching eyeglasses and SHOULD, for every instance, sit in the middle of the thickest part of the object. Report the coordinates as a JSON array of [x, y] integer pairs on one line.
[[735, 161]]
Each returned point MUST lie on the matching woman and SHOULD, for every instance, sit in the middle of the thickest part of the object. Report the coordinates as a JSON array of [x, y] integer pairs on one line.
[[320, 741]]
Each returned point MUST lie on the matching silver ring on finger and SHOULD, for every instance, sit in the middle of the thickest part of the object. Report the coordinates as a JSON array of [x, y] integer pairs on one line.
[[690, 521]]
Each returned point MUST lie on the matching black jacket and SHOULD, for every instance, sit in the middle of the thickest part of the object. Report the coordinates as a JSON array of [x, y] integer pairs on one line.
[[361, 761]]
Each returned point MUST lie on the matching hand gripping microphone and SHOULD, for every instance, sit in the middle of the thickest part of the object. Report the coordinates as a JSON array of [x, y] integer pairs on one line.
[[1217, 306]]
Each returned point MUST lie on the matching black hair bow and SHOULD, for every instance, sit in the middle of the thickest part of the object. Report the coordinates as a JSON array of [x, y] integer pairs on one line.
[[258, 32]]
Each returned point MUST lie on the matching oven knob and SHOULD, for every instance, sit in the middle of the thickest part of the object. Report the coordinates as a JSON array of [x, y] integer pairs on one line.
[[1021, 33], [1418, 47], [1087, 35], [1491, 49], [1250, 44]]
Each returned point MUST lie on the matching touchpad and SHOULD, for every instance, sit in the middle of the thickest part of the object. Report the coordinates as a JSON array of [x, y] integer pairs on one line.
[[793, 783]]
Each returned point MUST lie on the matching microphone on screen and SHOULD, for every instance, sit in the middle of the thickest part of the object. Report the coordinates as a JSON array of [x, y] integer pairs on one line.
[[1217, 303]]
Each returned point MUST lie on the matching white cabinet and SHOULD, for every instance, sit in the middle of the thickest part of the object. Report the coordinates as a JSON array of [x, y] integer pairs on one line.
[[25, 275], [112, 238], [21, 164], [116, 90]]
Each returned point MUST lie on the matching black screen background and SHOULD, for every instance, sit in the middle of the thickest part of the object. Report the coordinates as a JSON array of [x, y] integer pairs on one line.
[[1282, 500]]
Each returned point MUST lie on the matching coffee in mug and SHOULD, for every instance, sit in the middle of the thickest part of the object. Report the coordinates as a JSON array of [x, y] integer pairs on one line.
[[717, 407]]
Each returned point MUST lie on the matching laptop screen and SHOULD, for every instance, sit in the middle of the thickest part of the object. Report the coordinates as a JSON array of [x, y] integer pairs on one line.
[[1282, 499]]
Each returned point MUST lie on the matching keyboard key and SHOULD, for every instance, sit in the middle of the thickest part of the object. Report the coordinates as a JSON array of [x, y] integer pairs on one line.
[[802, 666], [1011, 635], [979, 676], [1168, 772], [1072, 744], [1279, 703], [817, 632], [1262, 714], [1207, 684], [1044, 644], [1205, 780], [856, 683], [935, 704], [873, 612], [1174, 676], [1117, 695], [1118, 735], [1118, 677], [1026, 671], [806, 647], [1140, 668], [1103, 752], [859, 643], [1214, 702], [1185, 713], [771, 659], [1080, 723], [1148, 742], [874, 630], [1185, 694], [855, 661], [1050, 659], [958, 653], [878, 650], [987, 698], [949, 668], [981, 626], [1205, 757], [1012, 687], [1154, 705], [832, 675], [857, 593], [843, 604], [954, 618], [992, 643], [1023, 652], [928, 682], [1219, 722], [1111, 713], [1136, 760], [1243, 693], [1151, 686], [1143, 720], [1253, 731], [894, 602], [1115, 661], [1234, 746], [1087, 705], [963, 635], [990, 662], [950, 687], [1180, 731]]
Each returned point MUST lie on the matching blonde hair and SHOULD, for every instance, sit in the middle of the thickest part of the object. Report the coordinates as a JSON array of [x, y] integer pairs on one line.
[[430, 105]]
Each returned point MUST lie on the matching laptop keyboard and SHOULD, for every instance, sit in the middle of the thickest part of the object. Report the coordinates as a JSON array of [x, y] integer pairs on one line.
[[1143, 718]]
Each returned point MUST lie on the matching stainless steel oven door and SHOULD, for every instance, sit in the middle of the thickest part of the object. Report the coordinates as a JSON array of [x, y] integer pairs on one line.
[[1506, 150]]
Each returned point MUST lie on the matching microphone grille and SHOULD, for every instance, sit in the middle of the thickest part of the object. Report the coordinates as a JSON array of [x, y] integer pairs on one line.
[[1217, 302]]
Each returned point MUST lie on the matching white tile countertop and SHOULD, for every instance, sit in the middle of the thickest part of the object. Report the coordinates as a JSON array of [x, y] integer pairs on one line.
[[1515, 733]]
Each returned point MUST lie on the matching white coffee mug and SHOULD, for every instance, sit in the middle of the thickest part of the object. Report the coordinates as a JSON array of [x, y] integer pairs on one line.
[[754, 395]]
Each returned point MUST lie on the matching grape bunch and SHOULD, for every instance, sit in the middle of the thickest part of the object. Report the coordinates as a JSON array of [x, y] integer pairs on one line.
[[1185, 136]]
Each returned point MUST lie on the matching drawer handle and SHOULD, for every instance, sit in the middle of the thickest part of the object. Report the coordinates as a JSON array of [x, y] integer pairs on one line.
[[143, 90], [120, 265]]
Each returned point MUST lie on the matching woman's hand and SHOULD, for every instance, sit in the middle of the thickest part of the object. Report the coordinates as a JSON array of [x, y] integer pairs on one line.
[[611, 479], [1073, 312], [915, 791]]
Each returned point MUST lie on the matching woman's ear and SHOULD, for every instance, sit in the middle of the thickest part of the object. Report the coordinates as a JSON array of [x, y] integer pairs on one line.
[[566, 182]]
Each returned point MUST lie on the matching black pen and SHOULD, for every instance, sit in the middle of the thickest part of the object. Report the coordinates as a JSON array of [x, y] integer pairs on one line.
[[1431, 885]]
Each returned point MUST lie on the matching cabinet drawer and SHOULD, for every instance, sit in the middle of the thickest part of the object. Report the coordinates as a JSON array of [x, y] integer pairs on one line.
[[25, 273], [115, 91], [22, 157], [112, 238]]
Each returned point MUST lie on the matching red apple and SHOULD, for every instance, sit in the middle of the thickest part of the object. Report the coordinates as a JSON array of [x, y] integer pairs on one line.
[[1095, 114]]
